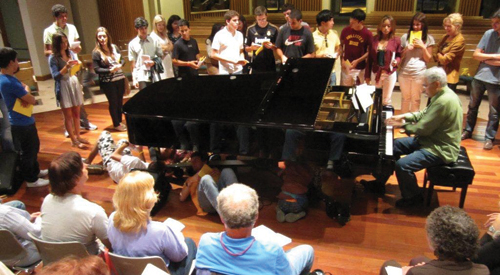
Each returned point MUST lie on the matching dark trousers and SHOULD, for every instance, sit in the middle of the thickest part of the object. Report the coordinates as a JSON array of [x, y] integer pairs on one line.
[[144, 84], [183, 267], [476, 95], [27, 143], [114, 93]]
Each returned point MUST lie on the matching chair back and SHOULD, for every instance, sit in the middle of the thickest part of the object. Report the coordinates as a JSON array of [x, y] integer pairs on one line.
[[53, 251], [135, 265], [10, 248]]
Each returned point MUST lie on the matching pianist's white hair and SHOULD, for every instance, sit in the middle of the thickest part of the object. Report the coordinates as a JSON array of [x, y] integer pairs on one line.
[[436, 74]]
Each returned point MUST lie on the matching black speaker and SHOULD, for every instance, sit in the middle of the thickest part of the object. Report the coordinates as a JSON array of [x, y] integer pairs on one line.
[[10, 176]]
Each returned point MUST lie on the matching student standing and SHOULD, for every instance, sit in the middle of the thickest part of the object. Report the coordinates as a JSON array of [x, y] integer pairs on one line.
[[326, 40], [262, 34]]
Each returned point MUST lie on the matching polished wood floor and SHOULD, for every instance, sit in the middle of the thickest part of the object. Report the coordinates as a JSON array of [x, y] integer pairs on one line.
[[377, 231]]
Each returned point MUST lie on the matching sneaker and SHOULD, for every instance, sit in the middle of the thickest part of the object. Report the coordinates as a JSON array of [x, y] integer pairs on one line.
[[91, 127], [293, 217], [43, 173], [66, 134], [488, 144], [38, 183], [415, 200], [466, 135], [121, 128], [280, 215]]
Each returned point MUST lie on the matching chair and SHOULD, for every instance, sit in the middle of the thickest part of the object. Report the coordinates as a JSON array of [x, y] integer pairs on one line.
[[457, 174], [12, 250], [135, 265], [54, 251]]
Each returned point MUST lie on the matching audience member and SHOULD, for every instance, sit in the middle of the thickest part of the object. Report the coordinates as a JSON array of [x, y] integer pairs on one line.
[[437, 136], [91, 265], [173, 28], [415, 56], [60, 14], [227, 46], [294, 41], [383, 58], [132, 232], [5, 128], [213, 65], [287, 10], [66, 215], [160, 34], [489, 245], [326, 40], [142, 51], [69, 92], [17, 220], [108, 64], [355, 40], [204, 186], [88, 77], [293, 201], [452, 235], [451, 48], [117, 159], [236, 251], [262, 34], [487, 78], [186, 54], [24, 132]]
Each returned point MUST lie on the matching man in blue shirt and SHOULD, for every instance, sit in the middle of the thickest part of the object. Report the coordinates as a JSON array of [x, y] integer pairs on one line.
[[24, 131], [236, 251], [487, 78]]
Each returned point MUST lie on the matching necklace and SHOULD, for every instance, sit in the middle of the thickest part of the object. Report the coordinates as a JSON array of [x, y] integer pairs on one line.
[[235, 254]]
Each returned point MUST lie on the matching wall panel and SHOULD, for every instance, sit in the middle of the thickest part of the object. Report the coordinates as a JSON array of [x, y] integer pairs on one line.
[[394, 5], [118, 17], [307, 5], [470, 7]]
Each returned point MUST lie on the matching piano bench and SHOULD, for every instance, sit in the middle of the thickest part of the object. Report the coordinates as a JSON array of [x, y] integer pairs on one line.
[[457, 174]]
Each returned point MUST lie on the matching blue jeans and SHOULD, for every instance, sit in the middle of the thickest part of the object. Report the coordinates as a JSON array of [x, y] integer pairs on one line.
[[333, 79], [208, 189], [301, 259], [293, 137], [16, 204], [6, 132], [183, 267], [416, 159], [476, 95], [192, 128], [27, 142]]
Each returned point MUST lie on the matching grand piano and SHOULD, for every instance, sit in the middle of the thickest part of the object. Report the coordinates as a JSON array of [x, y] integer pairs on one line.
[[299, 97]]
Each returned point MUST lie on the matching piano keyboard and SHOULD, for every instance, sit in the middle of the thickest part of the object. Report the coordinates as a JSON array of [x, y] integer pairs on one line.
[[387, 136]]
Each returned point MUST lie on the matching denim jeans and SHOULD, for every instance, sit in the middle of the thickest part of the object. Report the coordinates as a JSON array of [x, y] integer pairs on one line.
[[183, 267], [415, 160], [301, 259], [333, 79], [16, 204], [476, 95], [5, 132], [293, 137], [27, 142], [192, 128], [208, 189]]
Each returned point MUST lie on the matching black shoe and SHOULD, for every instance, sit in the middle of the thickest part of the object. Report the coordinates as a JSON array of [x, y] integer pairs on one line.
[[415, 200], [466, 135], [373, 186]]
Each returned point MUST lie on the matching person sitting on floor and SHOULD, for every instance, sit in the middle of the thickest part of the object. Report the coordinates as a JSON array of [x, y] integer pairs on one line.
[[117, 159], [205, 185], [15, 218], [452, 235], [132, 232], [66, 215], [236, 251]]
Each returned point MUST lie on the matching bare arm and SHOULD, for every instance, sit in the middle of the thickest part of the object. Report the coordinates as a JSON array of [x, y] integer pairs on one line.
[[29, 99], [481, 56], [117, 154], [495, 63], [179, 63], [47, 49]]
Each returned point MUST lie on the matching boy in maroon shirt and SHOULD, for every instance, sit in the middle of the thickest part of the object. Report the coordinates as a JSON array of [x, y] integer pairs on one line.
[[354, 42]]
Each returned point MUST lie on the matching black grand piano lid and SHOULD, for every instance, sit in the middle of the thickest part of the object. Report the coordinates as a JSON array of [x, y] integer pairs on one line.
[[290, 99]]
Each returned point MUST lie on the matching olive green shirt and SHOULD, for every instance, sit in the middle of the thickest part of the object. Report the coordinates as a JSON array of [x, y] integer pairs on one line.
[[438, 126]]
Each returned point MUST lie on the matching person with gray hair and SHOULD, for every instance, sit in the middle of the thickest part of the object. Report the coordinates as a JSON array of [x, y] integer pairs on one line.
[[453, 237], [487, 78], [236, 251], [436, 136]]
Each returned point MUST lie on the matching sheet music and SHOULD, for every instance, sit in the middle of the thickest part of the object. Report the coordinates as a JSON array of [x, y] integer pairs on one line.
[[392, 270], [264, 233], [174, 224], [153, 270], [363, 94], [389, 136]]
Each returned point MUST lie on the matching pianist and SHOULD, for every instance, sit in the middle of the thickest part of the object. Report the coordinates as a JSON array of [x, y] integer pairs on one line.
[[436, 139]]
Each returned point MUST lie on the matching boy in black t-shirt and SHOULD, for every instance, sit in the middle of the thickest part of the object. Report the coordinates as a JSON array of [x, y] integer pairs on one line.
[[262, 34], [186, 55], [295, 40]]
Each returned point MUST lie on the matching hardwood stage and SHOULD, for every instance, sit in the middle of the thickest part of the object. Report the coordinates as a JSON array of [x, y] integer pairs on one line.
[[377, 231]]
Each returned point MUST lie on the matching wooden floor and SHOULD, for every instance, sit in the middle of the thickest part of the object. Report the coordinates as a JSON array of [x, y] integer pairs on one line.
[[378, 231]]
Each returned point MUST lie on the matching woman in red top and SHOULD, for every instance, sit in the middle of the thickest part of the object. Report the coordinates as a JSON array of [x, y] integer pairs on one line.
[[383, 58]]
